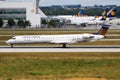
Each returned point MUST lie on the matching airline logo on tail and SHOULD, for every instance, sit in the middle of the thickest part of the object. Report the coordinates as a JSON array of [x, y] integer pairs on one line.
[[111, 13], [103, 30]]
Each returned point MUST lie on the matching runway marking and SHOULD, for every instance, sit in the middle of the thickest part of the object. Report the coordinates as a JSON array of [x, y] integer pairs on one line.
[[56, 49]]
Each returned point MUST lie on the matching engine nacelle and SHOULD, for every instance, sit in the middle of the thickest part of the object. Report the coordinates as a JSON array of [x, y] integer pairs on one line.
[[87, 36]]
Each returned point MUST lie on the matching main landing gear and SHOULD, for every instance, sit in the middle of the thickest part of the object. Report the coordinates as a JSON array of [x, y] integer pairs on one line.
[[64, 45]]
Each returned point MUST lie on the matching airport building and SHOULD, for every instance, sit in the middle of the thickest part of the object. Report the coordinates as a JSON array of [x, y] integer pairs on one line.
[[21, 10]]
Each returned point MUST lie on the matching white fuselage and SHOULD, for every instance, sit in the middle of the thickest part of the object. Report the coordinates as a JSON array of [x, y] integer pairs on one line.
[[55, 39], [78, 20]]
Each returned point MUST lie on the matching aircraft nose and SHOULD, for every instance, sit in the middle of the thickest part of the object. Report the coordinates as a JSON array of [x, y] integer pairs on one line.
[[8, 42]]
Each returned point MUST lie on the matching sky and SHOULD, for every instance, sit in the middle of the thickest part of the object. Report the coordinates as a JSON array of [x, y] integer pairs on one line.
[[74, 2]]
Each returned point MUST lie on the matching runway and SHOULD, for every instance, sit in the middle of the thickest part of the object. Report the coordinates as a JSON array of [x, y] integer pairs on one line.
[[59, 49]]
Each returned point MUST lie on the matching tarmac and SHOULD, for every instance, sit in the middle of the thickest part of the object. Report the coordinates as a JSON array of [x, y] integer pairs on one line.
[[60, 49]]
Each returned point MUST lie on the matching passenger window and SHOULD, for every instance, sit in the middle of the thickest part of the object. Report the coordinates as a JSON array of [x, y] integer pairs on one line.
[[91, 36]]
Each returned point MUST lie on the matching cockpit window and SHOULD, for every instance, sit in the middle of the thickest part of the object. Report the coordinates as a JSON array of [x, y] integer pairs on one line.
[[13, 38]]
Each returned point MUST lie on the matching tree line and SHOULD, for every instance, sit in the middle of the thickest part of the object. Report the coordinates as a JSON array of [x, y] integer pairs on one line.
[[11, 23], [51, 23], [89, 12]]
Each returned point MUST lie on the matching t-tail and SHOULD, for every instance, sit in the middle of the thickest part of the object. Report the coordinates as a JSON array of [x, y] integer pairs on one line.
[[103, 30]]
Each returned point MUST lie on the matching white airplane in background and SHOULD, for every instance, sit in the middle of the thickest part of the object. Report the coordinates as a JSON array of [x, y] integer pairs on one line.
[[107, 16], [59, 39], [86, 20]]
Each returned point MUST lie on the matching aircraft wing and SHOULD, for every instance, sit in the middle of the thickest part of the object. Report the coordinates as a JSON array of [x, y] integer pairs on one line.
[[63, 41], [60, 42]]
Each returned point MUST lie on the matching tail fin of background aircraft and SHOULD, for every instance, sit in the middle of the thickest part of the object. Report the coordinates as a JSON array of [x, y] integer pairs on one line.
[[104, 15], [112, 13], [81, 13], [108, 14], [103, 30], [104, 18]]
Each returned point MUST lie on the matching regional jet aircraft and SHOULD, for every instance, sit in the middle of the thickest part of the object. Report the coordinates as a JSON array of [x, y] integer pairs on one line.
[[60, 39]]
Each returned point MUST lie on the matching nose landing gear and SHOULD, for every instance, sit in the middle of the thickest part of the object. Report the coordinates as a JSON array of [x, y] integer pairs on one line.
[[11, 45]]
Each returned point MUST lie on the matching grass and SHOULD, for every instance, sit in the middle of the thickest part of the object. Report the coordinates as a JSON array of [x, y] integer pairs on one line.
[[39, 32], [59, 66], [5, 37], [112, 37], [60, 55]]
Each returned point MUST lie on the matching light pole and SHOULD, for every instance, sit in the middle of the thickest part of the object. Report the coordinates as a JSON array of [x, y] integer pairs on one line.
[[37, 6], [2, 0]]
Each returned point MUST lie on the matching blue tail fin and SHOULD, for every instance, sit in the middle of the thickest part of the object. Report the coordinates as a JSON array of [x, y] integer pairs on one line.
[[112, 13], [81, 12]]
